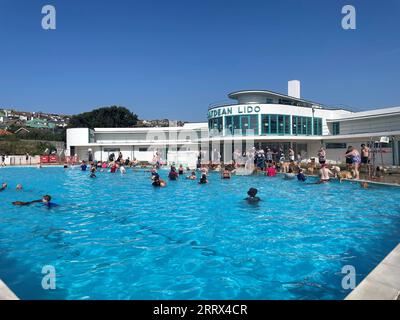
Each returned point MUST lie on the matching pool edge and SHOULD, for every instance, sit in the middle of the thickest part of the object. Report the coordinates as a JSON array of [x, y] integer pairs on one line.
[[6, 293], [383, 282]]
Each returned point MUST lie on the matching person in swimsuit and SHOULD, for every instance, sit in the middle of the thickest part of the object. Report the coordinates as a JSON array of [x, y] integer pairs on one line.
[[291, 154], [3, 186], [365, 155], [355, 157], [83, 166], [226, 174], [46, 200], [301, 176], [271, 171], [173, 175], [192, 176], [252, 196], [181, 170], [157, 182], [203, 179], [324, 174], [322, 156], [93, 172]]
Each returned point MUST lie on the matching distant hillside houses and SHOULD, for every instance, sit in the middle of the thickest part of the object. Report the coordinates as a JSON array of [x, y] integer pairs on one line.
[[37, 120]]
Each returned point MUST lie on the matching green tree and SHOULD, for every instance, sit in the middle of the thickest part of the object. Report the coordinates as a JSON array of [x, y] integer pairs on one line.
[[106, 117]]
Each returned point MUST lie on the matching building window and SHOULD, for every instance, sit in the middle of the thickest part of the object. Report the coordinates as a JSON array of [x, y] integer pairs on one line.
[[275, 124], [317, 127], [228, 126], [302, 126], [215, 126], [335, 128], [336, 145], [240, 124]]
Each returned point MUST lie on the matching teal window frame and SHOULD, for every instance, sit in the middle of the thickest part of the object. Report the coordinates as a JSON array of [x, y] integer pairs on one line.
[[236, 122], [304, 126], [278, 124], [317, 127], [335, 128], [215, 124]]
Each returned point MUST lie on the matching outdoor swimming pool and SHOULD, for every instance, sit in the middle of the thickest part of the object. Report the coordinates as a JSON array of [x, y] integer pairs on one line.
[[117, 237]]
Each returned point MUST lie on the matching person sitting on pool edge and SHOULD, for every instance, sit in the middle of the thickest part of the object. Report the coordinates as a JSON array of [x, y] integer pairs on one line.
[[46, 200], [203, 179], [252, 196]]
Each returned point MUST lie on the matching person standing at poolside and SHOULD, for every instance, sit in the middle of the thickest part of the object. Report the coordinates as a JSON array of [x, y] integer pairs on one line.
[[3, 160], [322, 155], [269, 155], [120, 157], [291, 154], [365, 156], [353, 154]]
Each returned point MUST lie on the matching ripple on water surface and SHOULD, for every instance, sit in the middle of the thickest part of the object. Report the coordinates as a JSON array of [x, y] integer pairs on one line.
[[117, 237]]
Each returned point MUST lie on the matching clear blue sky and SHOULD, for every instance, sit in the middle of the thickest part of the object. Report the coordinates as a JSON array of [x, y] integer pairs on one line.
[[171, 59]]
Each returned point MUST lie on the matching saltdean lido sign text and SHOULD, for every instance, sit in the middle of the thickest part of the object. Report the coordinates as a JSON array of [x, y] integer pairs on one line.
[[233, 110]]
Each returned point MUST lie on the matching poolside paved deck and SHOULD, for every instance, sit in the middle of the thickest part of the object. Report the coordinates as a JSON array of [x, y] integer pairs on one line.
[[383, 283], [6, 293]]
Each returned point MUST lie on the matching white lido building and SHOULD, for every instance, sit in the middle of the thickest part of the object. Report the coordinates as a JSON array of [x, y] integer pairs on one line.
[[264, 118]]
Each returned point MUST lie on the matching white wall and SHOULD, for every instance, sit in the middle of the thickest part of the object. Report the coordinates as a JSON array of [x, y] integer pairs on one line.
[[379, 124], [77, 137]]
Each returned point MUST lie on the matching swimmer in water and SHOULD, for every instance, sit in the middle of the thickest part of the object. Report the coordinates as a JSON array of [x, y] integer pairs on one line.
[[46, 200], [364, 185], [324, 174], [301, 176], [3, 186], [157, 182], [192, 176], [203, 179], [19, 187], [173, 175], [93, 172], [252, 196], [181, 170], [226, 174]]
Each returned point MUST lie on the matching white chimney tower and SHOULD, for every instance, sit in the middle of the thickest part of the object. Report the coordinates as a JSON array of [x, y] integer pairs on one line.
[[294, 89]]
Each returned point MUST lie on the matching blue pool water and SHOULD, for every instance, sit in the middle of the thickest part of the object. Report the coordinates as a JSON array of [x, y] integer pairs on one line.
[[117, 237]]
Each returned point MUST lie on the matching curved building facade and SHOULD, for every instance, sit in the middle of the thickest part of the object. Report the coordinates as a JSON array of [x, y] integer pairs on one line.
[[263, 118]]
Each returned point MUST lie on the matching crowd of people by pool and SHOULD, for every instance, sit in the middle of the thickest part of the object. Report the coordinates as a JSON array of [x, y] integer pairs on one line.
[[270, 163]]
